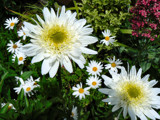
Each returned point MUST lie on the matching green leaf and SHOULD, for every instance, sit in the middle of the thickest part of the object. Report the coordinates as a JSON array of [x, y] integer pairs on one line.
[[26, 101], [145, 66], [126, 31], [26, 75], [2, 80], [4, 109]]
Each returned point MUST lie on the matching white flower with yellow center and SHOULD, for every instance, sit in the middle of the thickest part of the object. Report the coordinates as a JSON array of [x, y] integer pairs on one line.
[[14, 47], [108, 39], [20, 56], [22, 32], [113, 64], [80, 91], [133, 94], [94, 82], [34, 82], [11, 22], [74, 113], [94, 68], [27, 86], [10, 106], [58, 40]]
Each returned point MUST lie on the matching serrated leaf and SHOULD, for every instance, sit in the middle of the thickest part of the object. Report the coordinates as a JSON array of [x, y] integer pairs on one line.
[[26, 75]]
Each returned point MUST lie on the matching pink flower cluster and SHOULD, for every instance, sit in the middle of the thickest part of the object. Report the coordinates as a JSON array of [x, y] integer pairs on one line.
[[145, 20]]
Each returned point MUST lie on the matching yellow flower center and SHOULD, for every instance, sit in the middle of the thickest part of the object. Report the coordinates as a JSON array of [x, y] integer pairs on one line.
[[28, 89], [24, 33], [20, 58], [94, 69], [12, 24], [9, 107], [113, 64], [15, 46], [107, 38], [94, 83], [35, 83], [132, 93], [72, 114], [81, 90]]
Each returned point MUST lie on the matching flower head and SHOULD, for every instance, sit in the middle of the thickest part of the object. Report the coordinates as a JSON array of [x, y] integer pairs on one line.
[[58, 40], [94, 82], [80, 91], [94, 68], [14, 47], [133, 94], [10, 106], [27, 86], [20, 56], [74, 113], [113, 64], [10, 23], [108, 39], [22, 32]]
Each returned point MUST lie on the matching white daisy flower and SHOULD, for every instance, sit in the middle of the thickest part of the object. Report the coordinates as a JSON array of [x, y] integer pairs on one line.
[[58, 40], [14, 47], [34, 82], [108, 39], [27, 86], [94, 68], [94, 82], [74, 113], [20, 56], [10, 23], [79, 91], [10, 106], [22, 32], [135, 95], [113, 64]]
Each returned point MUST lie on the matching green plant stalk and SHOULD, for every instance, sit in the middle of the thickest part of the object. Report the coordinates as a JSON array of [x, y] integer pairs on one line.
[[59, 78], [76, 7]]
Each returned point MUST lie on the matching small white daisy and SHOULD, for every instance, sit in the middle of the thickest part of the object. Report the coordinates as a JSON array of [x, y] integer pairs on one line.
[[94, 68], [34, 82], [27, 86], [108, 39], [10, 106], [10, 23], [93, 82], [135, 95], [14, 47], [113, 64], [79, 91], [74, 113], [22, 32], [20, 56]]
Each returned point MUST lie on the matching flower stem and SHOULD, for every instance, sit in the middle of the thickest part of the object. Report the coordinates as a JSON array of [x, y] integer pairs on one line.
[[59, 77]]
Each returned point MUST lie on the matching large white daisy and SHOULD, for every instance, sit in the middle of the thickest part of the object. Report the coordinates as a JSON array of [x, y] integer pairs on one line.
[[59, 39], [113, 64], [133, 94], [108, 39]]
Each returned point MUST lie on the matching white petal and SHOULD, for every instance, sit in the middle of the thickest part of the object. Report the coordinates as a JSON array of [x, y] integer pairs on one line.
[[116, 107], [46, 15], [131, 113], [67, 64], [39, 57], [88, 51], [107, 80], [46, 66], [54, 69]]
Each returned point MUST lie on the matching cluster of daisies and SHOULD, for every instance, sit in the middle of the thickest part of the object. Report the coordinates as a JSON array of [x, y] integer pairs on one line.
[[94, 69], [61, 39], [15, 47]]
